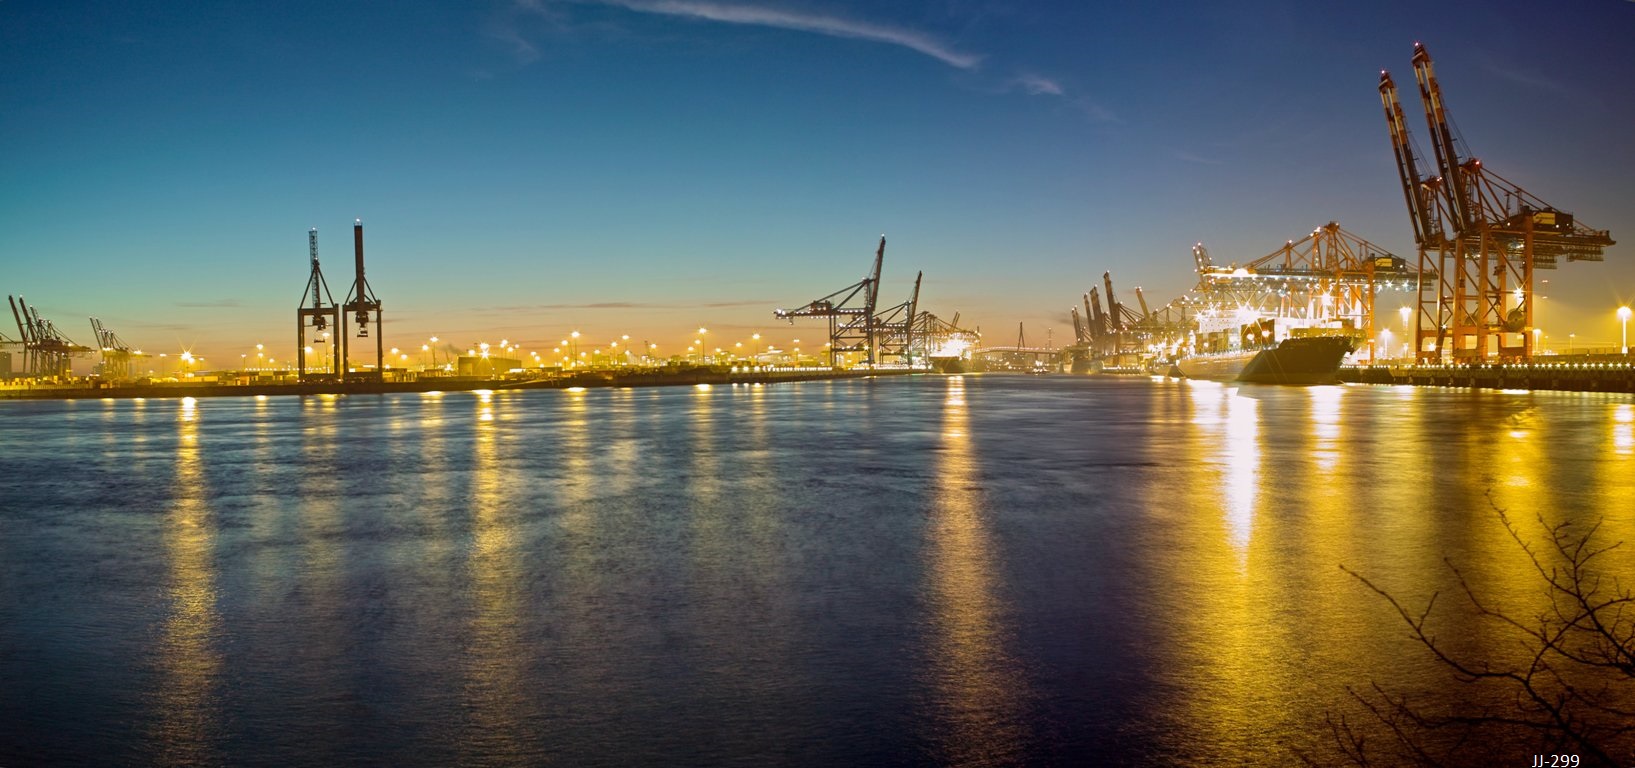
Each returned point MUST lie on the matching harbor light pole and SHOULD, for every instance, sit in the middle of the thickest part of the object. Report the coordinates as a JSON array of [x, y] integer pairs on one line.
[[1623, 322]]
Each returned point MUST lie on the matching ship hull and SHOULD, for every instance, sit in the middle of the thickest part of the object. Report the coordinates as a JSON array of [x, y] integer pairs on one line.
[[1302, 361]]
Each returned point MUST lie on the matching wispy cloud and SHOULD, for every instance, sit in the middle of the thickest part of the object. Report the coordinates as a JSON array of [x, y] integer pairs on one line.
[[1038, 85], [174, 327], [1096, 112], [626, 305], [833, 26], [591, 305], [1530, 78], [519, 47]]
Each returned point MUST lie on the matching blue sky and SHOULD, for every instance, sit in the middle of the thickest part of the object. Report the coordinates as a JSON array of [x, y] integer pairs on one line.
[[646, 167]]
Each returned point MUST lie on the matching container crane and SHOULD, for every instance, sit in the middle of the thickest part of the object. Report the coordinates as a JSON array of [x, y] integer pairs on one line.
[[851, 327], [1486, 234], [46, 351], [319, 311], [361, 304], [894, 327], [118, 359]]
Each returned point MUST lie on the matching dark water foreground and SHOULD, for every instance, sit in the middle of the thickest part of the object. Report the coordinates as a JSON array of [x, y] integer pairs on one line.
[[975, 570]]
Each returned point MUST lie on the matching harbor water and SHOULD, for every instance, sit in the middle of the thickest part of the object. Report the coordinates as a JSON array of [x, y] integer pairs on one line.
[[917, 570]]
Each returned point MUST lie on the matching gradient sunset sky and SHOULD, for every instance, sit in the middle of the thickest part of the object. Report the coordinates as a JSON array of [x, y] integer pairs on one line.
[[647, 167]]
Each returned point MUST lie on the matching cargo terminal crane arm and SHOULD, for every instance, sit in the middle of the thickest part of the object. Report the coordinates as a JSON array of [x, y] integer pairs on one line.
[[1427, 230], [1442, 142], [869, 287]]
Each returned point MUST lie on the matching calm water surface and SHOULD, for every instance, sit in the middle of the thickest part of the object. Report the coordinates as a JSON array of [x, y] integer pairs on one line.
[[977, 570]]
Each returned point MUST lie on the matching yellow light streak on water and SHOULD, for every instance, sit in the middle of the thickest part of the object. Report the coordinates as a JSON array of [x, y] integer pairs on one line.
[[978, 687], [189, 663], [1623, 429], [1325, 420], [495, 699], [1240, 452]]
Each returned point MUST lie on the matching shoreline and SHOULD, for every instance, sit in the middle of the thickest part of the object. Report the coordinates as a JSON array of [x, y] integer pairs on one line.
[[1580, 375], [690, 377]]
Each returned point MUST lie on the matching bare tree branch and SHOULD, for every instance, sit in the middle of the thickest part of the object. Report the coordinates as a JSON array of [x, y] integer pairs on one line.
[[1571, 690]]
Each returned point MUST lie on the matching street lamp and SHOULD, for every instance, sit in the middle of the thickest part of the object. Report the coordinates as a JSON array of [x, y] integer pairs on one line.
[[1407, 332], [1623, 321]]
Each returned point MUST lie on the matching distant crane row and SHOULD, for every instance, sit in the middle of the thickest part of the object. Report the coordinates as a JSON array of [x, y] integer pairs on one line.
[[47, 352], [1479, 239]]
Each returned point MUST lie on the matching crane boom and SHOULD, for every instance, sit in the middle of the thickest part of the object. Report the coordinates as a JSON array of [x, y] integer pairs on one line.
[[913, 312], [1447, 155], [22, 330], [1114, 309], [874, 276], [1413, 189]]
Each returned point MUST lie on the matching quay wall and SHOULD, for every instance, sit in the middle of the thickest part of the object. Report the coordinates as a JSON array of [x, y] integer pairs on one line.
[[1583, 376], [640, 378]]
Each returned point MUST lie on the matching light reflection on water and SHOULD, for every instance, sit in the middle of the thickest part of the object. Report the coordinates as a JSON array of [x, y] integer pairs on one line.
[[188, 657], [952, 570], [495, 656], [978, 688]]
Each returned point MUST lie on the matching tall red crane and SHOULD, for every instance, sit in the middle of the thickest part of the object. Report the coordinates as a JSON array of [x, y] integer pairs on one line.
[[1485, 234]]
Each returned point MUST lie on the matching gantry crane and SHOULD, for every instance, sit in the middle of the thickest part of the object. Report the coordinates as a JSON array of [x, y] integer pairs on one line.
[[46, 351], [118, 359], [361, 303], [894, 328], [319, 307], [851, 327], [944, 338], [1485, 234], [1330, 274]]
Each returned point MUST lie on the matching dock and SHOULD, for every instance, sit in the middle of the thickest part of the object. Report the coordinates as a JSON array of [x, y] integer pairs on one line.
[[1584, 374], [660, 377]]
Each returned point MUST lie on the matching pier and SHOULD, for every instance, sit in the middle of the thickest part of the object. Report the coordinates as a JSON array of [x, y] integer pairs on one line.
[[1579, 374], [651, 377]]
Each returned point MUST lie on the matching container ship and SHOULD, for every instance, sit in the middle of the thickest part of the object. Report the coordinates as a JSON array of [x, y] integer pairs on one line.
[[1268, 352]]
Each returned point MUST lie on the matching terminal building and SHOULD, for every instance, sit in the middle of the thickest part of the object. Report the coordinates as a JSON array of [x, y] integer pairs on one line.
[[484, 366]]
